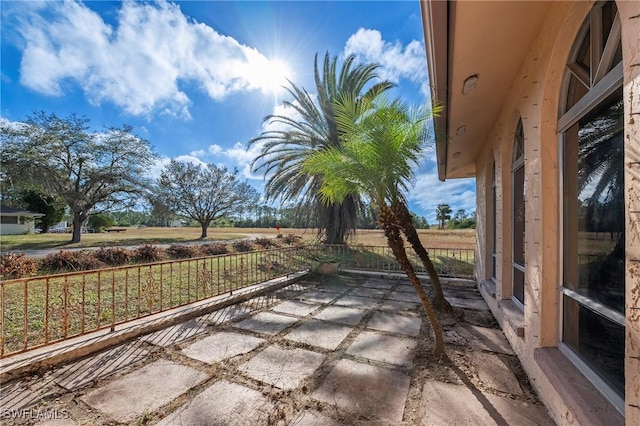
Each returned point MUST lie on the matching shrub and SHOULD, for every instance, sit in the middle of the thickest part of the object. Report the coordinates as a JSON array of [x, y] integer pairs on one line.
[[71, 261], [177, 251], [214, 249], [14, 265], [266, 242], [291, 239], [100, 222], [113, 256], [147, 253], [242, 245]]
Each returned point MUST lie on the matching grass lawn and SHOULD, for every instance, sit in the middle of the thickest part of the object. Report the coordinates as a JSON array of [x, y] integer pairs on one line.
[[464, 238]]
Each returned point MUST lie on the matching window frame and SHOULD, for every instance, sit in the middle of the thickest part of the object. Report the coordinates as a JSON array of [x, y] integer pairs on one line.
[[602, 85], [517, 164]]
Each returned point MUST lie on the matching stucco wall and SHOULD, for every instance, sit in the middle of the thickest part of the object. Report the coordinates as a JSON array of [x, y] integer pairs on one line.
[[534, 97]]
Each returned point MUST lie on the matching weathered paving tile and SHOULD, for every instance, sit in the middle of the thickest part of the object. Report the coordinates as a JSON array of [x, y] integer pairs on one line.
[[365, 390], [81, 373], [319, 333], [394, 323], [378, 283], [381, 347], [313, 418], [266, 322], [282, 368], [295, 307], [176, 333], [368, 292], [487, 339], [221, 346], [144, 390], [357, 302], [318, 297], [405, 296], [496, 373], [341, 314], [21, 394], [398, 306], [223, 403], [447, 404]]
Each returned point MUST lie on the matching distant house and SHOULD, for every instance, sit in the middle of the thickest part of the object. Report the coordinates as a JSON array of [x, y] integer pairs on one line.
[[542, 107], [17, 221]]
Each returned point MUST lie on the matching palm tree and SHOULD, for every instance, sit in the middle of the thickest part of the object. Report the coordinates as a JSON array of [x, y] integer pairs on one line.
[[383, 141], [443, 213], [313, 128]]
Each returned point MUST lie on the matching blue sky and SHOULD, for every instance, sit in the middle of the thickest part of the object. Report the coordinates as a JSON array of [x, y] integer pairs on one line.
[[197, 78]]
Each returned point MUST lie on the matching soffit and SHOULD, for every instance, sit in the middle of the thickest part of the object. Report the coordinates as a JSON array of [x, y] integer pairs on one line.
[[489, 39]]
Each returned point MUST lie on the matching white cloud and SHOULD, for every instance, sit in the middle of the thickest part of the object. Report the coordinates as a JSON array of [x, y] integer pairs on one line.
[[140, 63], [214, 149], [396, 61], [429, 192]]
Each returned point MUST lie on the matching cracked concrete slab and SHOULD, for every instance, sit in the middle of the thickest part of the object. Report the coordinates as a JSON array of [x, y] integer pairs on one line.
[[372, 392], [295, 307], [266, 322], [221, 346], [465, 303], [281, 367], [21, 394], [405, 296], [395, 323], [486, 339], [341, 314], [318, 333], [123, 401], [235, 405], [376, 293], [448, 404], [96, 367], [495, 372], [377, 283], [385, 348]]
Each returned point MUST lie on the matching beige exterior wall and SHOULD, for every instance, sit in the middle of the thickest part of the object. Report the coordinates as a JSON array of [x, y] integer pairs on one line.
[[534, 97]]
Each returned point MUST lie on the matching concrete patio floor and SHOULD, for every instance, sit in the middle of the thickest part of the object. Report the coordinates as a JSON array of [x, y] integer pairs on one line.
[[350, 349]]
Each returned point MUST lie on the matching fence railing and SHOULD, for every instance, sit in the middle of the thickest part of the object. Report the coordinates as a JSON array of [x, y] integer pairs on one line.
[[458, 263], [38, 311]]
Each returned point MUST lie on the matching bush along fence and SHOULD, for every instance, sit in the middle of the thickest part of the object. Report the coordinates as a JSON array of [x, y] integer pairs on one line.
[[41, 310]]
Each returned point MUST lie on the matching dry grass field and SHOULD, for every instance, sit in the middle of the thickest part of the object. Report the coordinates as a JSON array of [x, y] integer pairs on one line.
[[465, 238]]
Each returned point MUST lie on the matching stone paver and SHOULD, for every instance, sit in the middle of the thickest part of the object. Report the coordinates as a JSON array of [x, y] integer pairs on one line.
[[282, 368], [57, 422], [465, 303], [221, 346], [385, 348], [405, 296], [96, 367], [322, 334], [357, 302], [266, 322], [394, 323], [143, 390], [486, 339], [368, 292], [223, 403], [446, 404], [341, 314], [398, 306], [365, 390], [318, 297], [313, 418], [295, 307], [175, 334], [495, 372], [377, 283], [21, 394]]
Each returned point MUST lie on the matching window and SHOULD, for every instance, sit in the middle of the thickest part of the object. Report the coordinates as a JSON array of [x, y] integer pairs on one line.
[[518, 215], [591, 131], [494, 224], [9, 220]]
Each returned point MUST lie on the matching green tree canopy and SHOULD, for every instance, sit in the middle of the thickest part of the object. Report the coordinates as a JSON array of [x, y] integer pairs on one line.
[[51, 206], [312, 127], [90, 171], [203, 193]]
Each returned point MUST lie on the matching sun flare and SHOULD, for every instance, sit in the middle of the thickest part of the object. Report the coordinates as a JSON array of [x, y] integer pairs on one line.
[[274, 76]]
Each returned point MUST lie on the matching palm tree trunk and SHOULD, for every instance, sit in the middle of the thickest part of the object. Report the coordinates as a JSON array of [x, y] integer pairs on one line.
[[394, 240], [404, 219]]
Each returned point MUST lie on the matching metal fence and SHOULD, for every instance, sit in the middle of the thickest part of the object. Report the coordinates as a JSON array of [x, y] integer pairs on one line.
[[38, 311]]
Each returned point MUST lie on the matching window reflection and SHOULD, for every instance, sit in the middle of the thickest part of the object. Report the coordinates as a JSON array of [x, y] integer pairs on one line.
[[594, 205]]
